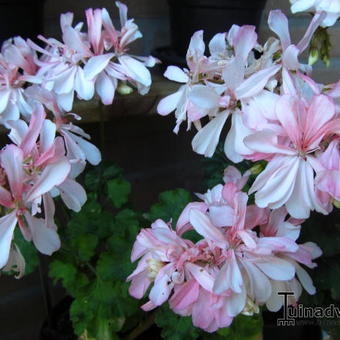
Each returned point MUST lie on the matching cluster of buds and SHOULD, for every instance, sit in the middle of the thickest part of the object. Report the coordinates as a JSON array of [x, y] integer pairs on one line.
[[246, 255]]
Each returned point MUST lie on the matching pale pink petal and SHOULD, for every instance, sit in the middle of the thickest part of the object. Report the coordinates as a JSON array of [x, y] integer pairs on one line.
[[91, 152], [185, 295], [204, 97], [245, 41], [276, 268], [7, 225], [45, 239], [184, 219], [206, 140], [236, 303], [169, 103], [201, 276], [162, 286], [106, 87], [174, 73], [305, 279], [314, 24], [12, 161], [229, 277], [96, 65], [83, 86], [256, 82], [52, 175], [202, 224], [260, 287], [72, 194], [135, 70], [278, 23]]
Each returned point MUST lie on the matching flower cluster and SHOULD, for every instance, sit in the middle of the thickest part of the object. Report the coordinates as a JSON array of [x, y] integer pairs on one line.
[[279, 114], [245, 256], [48, 151]]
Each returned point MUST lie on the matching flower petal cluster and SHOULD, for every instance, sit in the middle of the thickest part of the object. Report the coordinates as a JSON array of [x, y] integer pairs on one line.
[[279, 114], [234, 268]]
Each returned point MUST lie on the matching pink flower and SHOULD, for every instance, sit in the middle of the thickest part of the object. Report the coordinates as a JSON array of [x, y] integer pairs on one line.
[[289, 176], [328, 170]]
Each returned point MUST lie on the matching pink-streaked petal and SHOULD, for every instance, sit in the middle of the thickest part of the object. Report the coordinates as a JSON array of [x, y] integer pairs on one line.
[[202, 224], [184, 219], [245, 41], [12, 161]]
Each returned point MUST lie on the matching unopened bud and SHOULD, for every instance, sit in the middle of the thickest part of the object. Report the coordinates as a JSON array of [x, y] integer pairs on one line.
[[313, 56], [250, 308], [336, 204], [256, 169], [124, 89]]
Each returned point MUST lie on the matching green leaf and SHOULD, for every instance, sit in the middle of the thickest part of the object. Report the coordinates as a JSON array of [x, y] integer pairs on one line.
[[118, 191], [66, 272], [175, 327], [171, 203], [85, 246]]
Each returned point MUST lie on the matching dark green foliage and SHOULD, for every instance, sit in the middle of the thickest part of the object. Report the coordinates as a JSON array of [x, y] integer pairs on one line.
[[171, 203], [175, 327], [95, 257]]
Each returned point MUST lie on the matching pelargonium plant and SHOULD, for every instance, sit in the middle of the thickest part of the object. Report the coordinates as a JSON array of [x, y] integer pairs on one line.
[[245, 246]]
